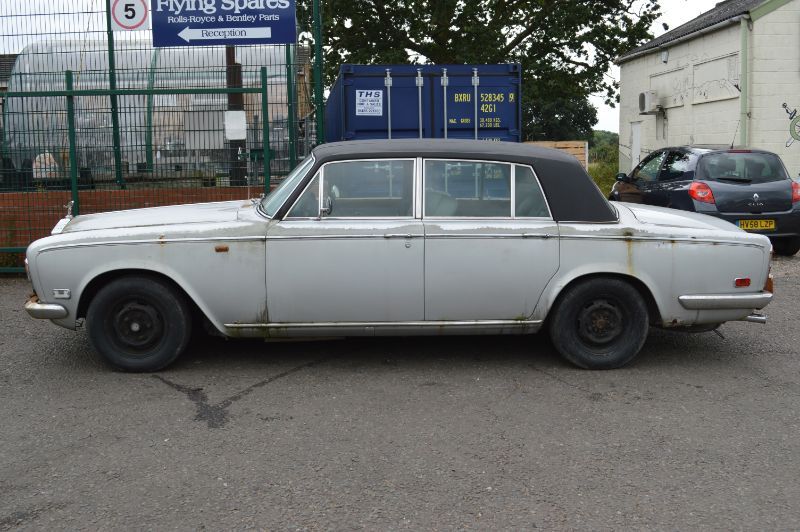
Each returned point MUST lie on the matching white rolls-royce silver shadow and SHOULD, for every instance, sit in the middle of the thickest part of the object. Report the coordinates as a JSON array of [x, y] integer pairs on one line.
[[404, 237]]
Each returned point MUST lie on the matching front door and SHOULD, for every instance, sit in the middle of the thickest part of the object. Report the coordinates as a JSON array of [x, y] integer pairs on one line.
[[491, 245], [350, 249]]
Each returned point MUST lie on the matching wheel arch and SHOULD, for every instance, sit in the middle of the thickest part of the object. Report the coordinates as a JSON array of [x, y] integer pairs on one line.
[[654, 313], [97, 282]]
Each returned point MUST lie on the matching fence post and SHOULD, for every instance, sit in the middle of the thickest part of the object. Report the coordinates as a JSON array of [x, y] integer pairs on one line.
[[318, 73], [291, 113], [73, 153], [112, 84], [265, 130]]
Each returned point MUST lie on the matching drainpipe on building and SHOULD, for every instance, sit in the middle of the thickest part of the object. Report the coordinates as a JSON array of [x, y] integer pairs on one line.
[[744, 81]]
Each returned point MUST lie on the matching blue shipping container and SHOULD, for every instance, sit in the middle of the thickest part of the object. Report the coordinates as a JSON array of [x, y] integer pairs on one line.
[[425, 101]]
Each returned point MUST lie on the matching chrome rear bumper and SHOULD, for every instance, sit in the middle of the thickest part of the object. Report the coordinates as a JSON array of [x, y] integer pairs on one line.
[[44, 311], [726, 301]]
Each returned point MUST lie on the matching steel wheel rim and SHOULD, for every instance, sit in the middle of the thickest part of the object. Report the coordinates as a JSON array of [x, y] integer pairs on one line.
[[137, 326], [600, 322]]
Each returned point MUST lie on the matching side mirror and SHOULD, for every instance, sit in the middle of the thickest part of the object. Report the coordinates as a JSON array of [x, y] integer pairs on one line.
[[623, 178]]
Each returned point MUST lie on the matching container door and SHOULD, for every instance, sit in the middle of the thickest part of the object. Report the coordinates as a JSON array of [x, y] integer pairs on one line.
[[361, 261], [485, 96], [486, 257]]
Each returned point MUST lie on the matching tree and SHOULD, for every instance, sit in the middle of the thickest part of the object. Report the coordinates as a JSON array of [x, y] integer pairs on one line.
[[565, 46]]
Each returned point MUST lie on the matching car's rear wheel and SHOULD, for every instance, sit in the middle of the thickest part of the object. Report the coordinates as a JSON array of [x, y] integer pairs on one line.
[[599, 323], [139, 323], [786, 246]]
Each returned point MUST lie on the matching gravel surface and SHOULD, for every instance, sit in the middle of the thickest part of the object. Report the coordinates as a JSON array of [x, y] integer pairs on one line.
[[433, 433]]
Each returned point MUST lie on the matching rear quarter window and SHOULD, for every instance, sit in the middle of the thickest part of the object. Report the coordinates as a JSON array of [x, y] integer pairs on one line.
[[741, 167]]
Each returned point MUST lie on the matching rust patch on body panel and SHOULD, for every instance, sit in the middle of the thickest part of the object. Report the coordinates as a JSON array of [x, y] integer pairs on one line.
[[221, 249]]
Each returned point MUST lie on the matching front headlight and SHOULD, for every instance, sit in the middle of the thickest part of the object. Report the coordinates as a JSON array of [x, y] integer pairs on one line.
[[28, 271]]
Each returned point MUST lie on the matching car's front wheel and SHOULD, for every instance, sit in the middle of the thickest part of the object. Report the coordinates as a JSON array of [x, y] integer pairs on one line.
[[786, 246], [599, 323], [139, 323]]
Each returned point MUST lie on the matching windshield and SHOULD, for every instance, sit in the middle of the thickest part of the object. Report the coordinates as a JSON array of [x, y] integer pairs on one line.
[[271, 203], [741, 167]]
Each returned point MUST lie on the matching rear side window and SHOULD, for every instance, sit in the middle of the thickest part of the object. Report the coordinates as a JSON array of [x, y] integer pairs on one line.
[[741, 167], [529, 200], [678, 166], [467, 189]]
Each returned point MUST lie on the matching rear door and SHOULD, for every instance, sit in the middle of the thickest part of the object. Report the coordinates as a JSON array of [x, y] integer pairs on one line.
[[491, 244]]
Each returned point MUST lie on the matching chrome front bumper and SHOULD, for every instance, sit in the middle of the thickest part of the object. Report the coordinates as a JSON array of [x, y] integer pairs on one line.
[[726, 301], [44, 311]]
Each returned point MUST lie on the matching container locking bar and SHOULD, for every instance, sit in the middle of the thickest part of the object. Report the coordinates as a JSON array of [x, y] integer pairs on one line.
[[444, 94], [388, 83], [420, 82], [476, 81]]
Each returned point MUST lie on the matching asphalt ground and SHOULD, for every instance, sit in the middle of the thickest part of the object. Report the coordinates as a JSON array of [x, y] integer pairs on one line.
[[431, 433]]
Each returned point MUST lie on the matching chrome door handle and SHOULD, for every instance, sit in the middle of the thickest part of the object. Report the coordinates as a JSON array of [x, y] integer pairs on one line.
[[398, 235], [543, 236]]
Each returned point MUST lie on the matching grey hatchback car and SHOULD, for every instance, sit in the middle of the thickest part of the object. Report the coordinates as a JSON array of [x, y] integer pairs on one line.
[[747, 187]]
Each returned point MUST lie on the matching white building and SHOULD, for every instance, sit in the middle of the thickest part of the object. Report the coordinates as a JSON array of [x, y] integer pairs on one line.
[[730, 76]]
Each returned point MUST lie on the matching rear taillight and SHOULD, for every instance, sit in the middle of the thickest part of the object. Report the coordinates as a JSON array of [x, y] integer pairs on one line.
[[795, 191], [701, 192]]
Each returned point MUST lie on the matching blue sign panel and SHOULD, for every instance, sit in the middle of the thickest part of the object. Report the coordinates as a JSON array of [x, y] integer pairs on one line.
[[223, 22]]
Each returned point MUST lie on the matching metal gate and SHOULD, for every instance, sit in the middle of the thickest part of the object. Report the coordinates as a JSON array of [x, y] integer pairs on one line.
[[101, 120]]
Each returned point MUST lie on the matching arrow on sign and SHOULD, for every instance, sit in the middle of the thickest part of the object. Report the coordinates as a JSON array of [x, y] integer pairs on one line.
[[192, 34]]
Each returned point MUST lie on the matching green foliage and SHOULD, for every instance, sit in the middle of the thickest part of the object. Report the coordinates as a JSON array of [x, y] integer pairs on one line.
[[604, 174], [604, 147], [604, 159], [565, 46]]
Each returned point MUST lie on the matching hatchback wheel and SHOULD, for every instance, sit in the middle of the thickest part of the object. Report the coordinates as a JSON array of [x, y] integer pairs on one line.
[[599, 323], [786, 246], [139, 323]]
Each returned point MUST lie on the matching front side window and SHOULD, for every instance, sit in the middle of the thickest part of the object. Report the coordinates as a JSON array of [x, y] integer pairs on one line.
[[648, 171], [467, 189], [360, 189], [272, 202]]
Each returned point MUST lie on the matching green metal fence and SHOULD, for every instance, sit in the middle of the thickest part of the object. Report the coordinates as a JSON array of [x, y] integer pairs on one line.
[[105, 121]]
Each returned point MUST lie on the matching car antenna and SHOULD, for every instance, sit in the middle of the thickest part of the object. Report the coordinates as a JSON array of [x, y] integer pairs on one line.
[[735, 132]]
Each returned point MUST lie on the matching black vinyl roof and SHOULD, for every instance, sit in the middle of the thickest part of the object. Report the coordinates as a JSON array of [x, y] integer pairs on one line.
[[720, 13], [571, 193]]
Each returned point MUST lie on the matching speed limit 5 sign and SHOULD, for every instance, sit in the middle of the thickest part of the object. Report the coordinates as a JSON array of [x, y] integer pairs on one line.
[[129, 15]]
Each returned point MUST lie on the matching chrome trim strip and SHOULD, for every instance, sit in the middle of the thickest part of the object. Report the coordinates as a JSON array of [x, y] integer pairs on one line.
[[387, 324], [489, 235], [44, 311], [725, 301], [376, 236], [158, 241], [684, 240]]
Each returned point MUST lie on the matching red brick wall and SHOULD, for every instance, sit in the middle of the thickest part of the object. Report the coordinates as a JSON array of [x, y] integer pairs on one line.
[[26, 216]]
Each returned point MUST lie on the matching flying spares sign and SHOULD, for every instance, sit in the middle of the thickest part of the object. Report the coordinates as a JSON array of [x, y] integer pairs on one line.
[[225, 22]]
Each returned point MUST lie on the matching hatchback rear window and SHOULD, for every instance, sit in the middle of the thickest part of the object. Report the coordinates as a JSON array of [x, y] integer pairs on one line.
[[741, 167]]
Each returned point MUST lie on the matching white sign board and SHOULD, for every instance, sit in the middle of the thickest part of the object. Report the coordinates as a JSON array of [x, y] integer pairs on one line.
[[235, 125], [130, 15], [369, 102]]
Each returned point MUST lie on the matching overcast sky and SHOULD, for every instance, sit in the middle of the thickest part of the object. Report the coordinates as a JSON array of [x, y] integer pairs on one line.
[[676, 13]]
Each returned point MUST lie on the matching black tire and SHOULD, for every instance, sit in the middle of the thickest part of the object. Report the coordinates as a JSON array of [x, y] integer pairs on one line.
[[599, 323], [786, 246], [139, 323]]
